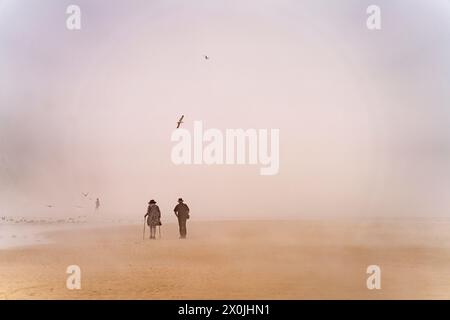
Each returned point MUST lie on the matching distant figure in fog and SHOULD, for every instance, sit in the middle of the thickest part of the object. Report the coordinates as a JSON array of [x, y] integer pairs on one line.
[[182, 212], [97, 204], [153, 218]]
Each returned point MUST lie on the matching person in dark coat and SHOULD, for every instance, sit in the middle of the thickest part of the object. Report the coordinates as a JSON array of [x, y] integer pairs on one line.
[[153, 218], [182, 212]]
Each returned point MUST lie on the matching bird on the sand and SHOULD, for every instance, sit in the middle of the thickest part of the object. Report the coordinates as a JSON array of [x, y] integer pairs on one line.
[[180, 122]]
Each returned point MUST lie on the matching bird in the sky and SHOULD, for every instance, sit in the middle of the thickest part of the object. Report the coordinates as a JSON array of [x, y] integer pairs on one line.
[[206, 57], [180, 121], [85, 194], [50, 206]]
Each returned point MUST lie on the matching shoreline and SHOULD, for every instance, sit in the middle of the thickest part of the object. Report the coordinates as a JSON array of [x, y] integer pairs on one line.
[[22, 235]]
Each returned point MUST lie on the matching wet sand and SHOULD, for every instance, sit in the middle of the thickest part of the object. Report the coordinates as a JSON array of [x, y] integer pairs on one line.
[[237, 260]]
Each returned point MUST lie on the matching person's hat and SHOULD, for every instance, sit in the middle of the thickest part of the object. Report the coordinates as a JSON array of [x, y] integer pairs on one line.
[[180, 199], [152, 202]]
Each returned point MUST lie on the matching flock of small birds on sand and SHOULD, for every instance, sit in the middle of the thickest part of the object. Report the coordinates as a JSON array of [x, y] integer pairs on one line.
[[25, 220]]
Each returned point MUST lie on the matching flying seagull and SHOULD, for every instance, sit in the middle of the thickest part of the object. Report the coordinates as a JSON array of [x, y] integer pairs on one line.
[[50, 206], [85, 194], [206, 57], [180, 121]]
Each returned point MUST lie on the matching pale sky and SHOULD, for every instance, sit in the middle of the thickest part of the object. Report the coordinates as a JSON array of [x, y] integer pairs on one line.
[[363, 115]]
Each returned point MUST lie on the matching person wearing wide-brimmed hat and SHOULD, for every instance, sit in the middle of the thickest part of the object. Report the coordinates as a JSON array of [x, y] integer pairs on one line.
[[153, 218], [182, 212]]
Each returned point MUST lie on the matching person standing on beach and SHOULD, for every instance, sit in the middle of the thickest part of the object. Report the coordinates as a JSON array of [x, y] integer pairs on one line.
[[153, 218], [182, 212], [97, 204]]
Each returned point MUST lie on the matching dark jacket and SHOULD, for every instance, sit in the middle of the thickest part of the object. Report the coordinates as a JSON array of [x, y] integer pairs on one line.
[[154, 216], [182, 210]]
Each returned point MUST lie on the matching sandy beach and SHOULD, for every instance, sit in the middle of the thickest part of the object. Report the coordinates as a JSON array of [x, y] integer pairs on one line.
[[236, 260]]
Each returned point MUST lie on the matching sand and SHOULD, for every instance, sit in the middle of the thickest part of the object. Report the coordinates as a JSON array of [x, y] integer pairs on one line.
[[309, 259]]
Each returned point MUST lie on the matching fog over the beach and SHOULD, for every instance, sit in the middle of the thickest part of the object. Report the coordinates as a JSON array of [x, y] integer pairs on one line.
[[363, 116]]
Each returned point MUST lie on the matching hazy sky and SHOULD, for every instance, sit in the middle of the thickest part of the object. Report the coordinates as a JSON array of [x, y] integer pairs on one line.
[[363, 115]]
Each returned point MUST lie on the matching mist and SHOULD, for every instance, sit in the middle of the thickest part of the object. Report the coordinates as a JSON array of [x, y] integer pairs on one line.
[[363, 116]]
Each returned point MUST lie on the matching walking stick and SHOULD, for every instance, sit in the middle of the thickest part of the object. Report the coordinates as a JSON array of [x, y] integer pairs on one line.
[[143, 232]]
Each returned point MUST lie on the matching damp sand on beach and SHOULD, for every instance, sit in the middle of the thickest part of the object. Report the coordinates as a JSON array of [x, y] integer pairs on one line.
[[235, 260]]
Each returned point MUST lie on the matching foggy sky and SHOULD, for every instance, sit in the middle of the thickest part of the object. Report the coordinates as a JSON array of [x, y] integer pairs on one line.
[[363, 115]]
